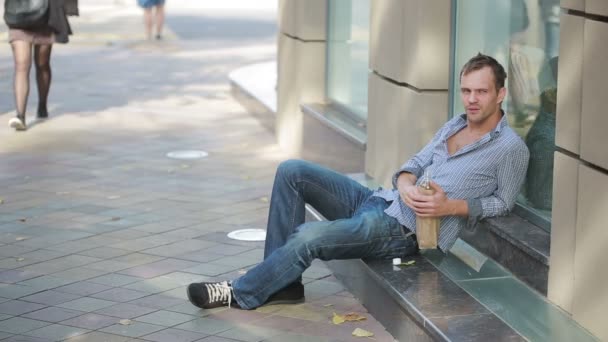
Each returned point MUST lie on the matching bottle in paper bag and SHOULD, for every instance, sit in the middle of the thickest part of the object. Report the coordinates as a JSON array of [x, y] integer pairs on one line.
[[427, 228]]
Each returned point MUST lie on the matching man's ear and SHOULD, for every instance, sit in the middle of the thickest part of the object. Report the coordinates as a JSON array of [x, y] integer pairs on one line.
[[502, 93]]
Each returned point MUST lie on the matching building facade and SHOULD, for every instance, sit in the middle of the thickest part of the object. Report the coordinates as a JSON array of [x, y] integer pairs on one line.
[[379, 77]]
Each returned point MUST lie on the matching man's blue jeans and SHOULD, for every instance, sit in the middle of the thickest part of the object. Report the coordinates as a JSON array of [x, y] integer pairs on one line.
[[357, 227]]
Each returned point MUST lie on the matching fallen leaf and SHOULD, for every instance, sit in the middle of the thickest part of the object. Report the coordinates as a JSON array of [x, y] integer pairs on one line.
[[20, 259], [20, 238], [408, 263], [353, 317], [125, 322], [328, 305], [264, 199], [349, 317], [362, 333], [115, 219], [338, 319]]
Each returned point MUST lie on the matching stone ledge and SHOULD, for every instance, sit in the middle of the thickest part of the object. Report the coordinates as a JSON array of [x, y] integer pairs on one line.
[[516, 244], [341, 123], [418, 302], [253, 86], [440, 297], [461, 295]]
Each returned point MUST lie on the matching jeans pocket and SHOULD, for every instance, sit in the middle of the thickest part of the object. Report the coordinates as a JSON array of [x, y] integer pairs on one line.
[[394, 247]]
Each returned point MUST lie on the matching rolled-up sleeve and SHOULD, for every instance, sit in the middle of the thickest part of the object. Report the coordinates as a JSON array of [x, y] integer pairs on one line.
[[511, 172]]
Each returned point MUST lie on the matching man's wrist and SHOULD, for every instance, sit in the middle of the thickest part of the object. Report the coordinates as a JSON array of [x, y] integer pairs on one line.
[[457, 207], [406, 179], [409, 172]]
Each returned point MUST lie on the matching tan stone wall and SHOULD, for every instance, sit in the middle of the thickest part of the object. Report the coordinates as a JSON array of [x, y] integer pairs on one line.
[[408, 86], [579, 238], [301, 67]]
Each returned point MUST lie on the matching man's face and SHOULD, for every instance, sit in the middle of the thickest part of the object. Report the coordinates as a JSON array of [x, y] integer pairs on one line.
[[479, 95]]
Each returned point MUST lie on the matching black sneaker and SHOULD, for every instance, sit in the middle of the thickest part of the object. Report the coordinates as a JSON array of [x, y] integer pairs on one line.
[[211, 295], [291, 294]]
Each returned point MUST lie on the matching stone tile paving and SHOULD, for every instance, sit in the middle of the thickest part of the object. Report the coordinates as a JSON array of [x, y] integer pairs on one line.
[[98, 226]]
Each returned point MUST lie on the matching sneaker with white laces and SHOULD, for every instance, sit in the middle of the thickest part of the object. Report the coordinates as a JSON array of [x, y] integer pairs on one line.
[[17, 124], [212, 295]]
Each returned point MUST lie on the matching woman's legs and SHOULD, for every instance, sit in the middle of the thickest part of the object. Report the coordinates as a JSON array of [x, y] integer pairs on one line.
[[22, 56], [160, 20], [42, 59], [148, 22]]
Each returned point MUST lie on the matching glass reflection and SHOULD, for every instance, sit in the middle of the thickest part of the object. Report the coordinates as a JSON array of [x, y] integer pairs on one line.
[[347, 54], [524, 36]]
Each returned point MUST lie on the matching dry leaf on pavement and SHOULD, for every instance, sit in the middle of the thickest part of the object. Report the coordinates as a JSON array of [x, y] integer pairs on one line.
[[362, 333], [338, 319], [349, 317], [353, 317], [125, 322], [408, 263]]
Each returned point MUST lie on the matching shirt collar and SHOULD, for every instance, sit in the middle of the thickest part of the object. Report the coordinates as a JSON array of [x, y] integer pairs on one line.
[[501, 124]]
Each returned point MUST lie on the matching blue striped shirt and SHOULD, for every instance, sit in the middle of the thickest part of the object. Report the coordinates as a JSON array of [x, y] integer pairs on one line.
[[487, 173]]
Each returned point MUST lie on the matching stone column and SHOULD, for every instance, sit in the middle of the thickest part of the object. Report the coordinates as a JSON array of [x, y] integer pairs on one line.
[[579, 238], [408, 84], [301, 66]]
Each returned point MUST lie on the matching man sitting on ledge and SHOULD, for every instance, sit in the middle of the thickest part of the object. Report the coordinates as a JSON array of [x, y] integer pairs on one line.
[[478, 164]]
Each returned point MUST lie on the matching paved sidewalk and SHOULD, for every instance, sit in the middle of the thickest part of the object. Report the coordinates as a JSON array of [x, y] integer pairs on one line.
[[100, 232]]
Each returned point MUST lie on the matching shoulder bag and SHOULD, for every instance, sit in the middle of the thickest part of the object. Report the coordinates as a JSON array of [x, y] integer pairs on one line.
[[26, 14]]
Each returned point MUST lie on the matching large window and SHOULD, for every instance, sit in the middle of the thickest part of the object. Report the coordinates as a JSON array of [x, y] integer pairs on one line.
[[523, 35], [347, 55]]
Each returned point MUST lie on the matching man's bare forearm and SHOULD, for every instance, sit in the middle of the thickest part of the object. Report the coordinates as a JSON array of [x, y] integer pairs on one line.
[[445, 206], [457, 207], [406, 179]]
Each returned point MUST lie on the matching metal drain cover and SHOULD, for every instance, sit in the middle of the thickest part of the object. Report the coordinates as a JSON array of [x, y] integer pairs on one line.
[[248, 235], [187, 154]]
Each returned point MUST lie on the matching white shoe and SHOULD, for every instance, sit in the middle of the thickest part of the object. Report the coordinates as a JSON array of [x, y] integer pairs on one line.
[[16, 124]]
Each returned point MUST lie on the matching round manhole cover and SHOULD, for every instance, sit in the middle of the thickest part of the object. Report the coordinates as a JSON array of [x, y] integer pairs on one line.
[[248, 235], [187, 154]]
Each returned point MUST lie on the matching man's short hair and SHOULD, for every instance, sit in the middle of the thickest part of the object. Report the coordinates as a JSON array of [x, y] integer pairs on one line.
[[481, 61]]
